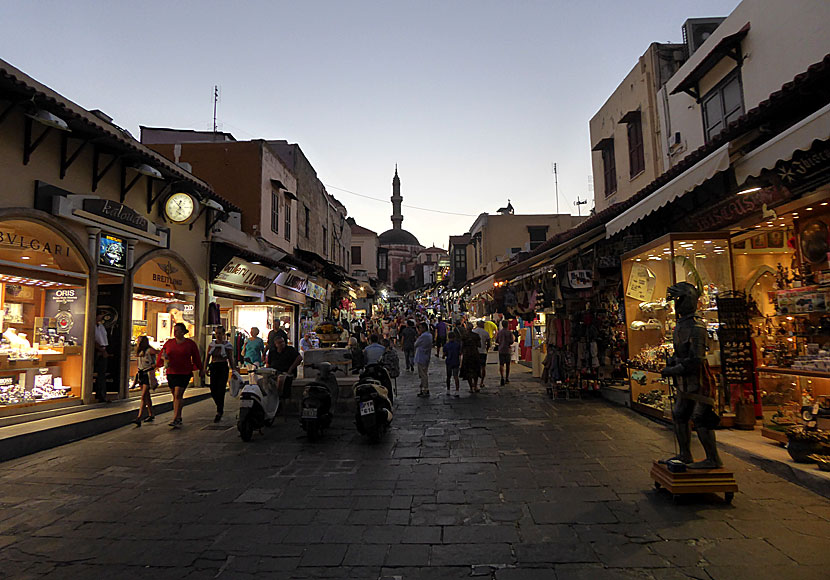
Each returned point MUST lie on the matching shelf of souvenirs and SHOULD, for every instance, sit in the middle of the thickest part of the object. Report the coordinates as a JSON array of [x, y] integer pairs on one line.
[[795, 372], [13, 360]]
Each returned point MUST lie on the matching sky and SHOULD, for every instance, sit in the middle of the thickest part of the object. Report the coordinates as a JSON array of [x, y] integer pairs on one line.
[[474, 100]]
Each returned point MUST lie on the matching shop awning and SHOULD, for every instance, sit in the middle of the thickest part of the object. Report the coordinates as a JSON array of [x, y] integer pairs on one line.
[[482, 286], [683, 183], [799, 137]]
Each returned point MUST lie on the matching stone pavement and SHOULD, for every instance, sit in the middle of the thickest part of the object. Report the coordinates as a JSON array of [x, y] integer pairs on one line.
[[505, 484]]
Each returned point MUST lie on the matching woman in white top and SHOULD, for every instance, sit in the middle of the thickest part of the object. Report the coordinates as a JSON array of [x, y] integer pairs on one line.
[[219, 358], [146, 355]]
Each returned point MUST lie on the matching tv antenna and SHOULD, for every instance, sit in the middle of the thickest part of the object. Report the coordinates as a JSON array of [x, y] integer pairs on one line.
[[215, 101], [578, 203], [556, 185]]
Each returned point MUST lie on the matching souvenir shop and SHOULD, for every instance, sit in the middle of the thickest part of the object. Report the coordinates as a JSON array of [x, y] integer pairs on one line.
[[164, 294], [760, 257], [44, 327]]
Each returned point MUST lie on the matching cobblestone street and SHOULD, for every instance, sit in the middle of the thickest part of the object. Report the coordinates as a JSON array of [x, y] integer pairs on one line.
[[505, 484]]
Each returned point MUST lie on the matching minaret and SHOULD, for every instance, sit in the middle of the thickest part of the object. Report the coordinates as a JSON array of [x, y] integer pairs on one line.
[[397, 216]]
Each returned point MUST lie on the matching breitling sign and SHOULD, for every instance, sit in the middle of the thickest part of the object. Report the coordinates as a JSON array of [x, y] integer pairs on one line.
[[164, 273]]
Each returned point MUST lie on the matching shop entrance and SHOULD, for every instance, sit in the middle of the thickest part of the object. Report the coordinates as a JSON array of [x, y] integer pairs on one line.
[[110, 301]]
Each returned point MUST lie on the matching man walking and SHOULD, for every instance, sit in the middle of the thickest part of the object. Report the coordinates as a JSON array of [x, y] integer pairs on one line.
[[504, 340], [408, 337], [484, 346], [440, 336], [423, 350]]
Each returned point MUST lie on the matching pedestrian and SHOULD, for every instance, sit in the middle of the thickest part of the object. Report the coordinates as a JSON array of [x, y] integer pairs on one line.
[[285, 359], [504, 340], [408, 337], [374, 352], [146, 378], [101, 359], [357, 355], [254, 348], [484, 336], [219, 361], [390, 361], [393, 332], [452, 352], [423, 350], [470, 357], [440, 336], [181, 356]]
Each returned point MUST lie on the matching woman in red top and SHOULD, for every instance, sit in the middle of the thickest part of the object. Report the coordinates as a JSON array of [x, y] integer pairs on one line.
[[181, 357]]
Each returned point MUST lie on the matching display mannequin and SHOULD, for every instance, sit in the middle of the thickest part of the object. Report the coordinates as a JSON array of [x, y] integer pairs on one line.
[[686, 367]]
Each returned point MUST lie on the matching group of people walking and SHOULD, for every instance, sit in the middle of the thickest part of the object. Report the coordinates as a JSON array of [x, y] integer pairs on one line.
[[180, 356]]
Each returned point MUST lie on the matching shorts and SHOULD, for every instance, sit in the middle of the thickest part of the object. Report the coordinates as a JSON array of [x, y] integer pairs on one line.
[[504, 358], [452, 372], [441, 341], [144, 378], [178, 381], [482, 357]]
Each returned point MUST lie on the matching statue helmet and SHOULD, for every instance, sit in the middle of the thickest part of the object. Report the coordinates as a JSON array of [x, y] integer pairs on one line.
[[685, 296]]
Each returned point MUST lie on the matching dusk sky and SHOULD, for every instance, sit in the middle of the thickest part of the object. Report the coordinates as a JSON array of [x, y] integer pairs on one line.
[[474, 100]]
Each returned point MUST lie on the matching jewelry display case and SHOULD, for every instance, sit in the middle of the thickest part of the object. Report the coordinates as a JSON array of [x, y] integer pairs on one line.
[[702, 259]]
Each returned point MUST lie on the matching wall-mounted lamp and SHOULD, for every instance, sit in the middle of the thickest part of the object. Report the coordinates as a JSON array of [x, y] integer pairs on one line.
[[48, 119], [147, 170]]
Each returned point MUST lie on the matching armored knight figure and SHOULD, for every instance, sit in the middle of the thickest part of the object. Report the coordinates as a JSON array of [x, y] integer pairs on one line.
[[686, 367]]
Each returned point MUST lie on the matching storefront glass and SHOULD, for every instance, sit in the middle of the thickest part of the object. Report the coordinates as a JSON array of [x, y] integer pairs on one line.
[[43, 305]]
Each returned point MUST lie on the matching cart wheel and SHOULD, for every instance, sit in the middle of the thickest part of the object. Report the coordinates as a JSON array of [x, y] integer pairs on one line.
[[657, 485], [728, 496]]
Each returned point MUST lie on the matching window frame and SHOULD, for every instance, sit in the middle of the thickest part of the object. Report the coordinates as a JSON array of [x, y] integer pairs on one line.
[[636, 147], [718, 91], [275, 212], [609, 170]]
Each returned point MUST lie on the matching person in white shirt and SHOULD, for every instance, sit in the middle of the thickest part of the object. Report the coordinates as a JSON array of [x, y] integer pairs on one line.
[[101, 359], [484, 346]]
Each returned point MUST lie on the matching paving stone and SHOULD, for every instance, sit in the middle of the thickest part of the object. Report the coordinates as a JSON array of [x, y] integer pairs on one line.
[[366, 555], [324, 555], [408, 555], [494, 534]]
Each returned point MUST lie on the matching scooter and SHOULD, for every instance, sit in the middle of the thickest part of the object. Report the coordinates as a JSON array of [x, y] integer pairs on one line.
[[374, 397], [319, 398], [258, 402]]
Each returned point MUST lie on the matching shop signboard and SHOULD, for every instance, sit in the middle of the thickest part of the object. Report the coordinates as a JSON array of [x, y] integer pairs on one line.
[[733, 209], [117, 212], [293, 281], [242, 274], [315, 291], [112, 252], [164, 273]]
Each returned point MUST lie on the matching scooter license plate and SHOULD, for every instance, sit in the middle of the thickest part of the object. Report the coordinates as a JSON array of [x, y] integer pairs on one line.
[[246, 403], [367, 407], [309, 413]]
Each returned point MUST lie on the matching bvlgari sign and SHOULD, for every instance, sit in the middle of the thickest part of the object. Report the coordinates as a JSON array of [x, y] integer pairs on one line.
[[246, 275]]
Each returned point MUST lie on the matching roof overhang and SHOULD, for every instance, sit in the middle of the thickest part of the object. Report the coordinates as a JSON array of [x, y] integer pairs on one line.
[[688, 180], [729, 45]]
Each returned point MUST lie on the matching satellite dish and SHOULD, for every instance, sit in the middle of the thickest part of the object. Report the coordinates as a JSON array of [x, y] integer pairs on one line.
[[814, 241]]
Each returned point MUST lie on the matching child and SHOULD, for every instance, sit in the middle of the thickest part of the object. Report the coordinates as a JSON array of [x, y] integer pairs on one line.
[[452, 352]]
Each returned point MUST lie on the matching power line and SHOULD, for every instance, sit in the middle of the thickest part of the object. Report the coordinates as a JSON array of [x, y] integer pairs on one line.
[[403, 205]]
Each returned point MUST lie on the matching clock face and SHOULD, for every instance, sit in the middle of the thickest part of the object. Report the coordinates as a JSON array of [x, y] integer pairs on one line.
[[179, 207]]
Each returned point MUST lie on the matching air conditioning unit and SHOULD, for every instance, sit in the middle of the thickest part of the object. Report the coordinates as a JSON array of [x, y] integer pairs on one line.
[[697, 30]]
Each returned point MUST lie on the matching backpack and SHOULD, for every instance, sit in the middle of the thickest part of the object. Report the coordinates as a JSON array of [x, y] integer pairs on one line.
[[391, 363]]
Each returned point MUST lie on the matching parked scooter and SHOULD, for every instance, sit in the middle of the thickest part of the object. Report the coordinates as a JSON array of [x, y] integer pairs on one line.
[[319, 398], [374, 398], [258, 402]]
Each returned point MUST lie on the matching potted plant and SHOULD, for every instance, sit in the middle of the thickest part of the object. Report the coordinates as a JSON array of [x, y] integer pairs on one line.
[[802, 442]]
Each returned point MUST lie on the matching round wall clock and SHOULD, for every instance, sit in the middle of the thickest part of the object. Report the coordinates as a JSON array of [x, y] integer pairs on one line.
[[180, 207]]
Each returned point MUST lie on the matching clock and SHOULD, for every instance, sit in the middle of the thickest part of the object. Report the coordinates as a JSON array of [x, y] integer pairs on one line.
[[180, 207]]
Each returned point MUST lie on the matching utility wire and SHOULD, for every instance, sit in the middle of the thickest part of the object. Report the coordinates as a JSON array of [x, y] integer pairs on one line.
[[402, 205]]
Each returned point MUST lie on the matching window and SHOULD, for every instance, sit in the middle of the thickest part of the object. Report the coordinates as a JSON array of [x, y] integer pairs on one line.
[[287, 218], [403, 268], [636, 153], [333, 255], [325, 238], [382, 256], [609, 169], [356, 255], [538, 235], [722, 105], [275, 212], [460, 257], [307, 220]]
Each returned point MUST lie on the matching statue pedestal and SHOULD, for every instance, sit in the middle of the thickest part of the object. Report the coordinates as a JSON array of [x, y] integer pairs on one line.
[[695, 481]]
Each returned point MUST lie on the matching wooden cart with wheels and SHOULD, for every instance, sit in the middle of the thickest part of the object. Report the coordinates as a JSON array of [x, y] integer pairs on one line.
[[695, 481]]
